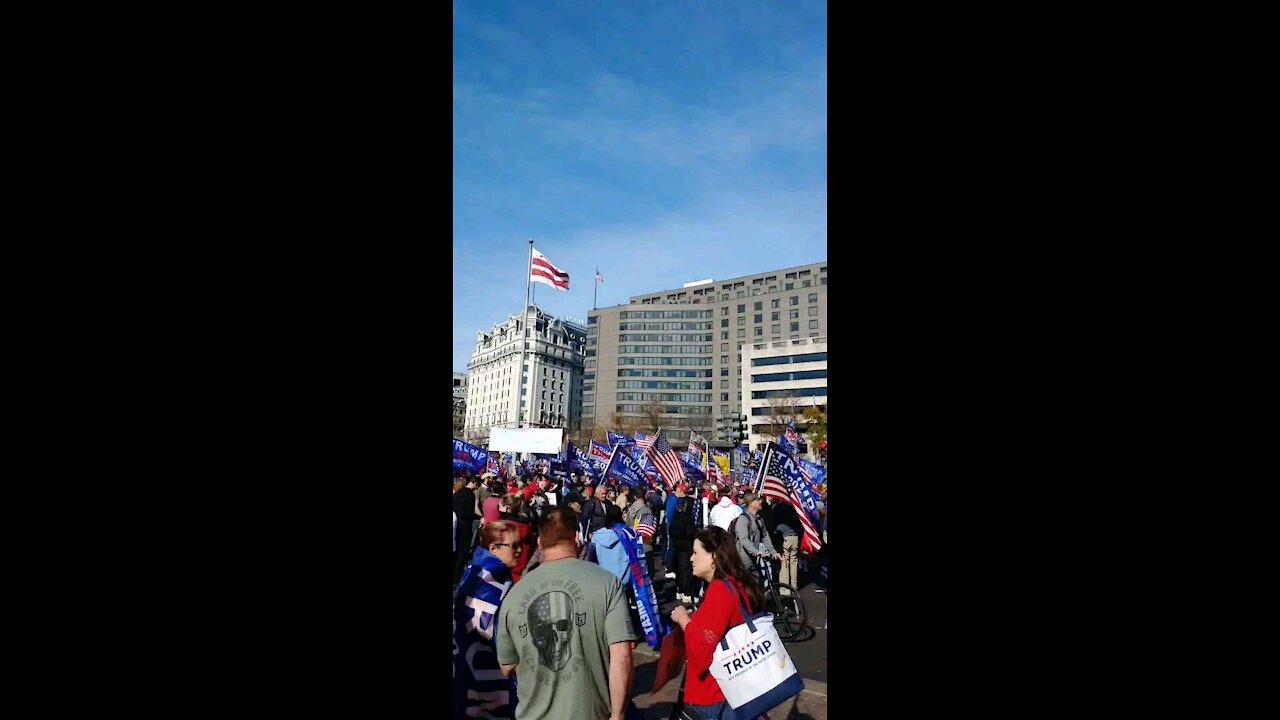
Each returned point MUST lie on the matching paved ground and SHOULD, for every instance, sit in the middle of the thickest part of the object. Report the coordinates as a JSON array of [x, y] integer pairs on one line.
[[809, 652], [811, 704]]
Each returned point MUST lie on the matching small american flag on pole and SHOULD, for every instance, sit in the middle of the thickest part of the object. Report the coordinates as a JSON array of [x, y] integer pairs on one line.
[[646, 527], [599, 277]]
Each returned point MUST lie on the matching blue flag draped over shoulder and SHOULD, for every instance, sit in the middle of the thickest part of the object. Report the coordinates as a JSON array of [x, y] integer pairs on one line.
[[646, 597], [469, 457], [478, 685]]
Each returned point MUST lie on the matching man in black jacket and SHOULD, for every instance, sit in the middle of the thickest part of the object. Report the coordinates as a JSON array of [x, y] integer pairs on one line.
[[593, 512], [464, 506], [786, 524]]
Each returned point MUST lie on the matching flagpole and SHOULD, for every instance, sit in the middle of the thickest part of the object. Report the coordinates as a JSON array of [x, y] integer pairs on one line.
[[595, 285], [524, 344]]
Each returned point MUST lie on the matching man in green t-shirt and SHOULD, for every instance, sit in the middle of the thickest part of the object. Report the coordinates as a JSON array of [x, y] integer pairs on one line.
[[565, 629]]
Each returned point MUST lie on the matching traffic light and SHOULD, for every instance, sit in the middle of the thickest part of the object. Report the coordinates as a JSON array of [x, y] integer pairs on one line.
[[745, 429]]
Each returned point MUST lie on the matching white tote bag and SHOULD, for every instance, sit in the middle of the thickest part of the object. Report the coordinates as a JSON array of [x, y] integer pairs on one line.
[[752, 667]]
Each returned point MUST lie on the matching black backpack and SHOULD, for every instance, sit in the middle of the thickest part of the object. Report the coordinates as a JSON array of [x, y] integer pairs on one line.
[[682, 522]]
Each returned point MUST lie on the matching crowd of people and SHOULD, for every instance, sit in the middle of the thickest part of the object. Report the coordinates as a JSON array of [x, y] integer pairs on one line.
[[554, 585]]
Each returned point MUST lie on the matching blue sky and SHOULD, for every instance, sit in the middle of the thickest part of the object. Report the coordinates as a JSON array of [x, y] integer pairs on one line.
[[663, 142]]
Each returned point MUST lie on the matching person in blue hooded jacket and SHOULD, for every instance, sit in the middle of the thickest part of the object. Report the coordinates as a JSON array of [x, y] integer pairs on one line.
[[608, 545]]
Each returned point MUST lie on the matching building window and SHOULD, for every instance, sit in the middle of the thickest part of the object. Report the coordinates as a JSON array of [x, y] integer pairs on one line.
[[806, 283], [813, 312], [741, 293], [724, 409], [724, 397], [724, 310], [724, 347], [724, 322], [759, 305], [813, 297], [742, 320], [793, 314], [759, 318], [724, 371], [775, 302], [773, 316], [775, 328], [795, 327], [822, 281], [760, 331], [813, 324], [742, 332], [789, 286], [795, 299], [724, 384], [742, 308], [724, 359]]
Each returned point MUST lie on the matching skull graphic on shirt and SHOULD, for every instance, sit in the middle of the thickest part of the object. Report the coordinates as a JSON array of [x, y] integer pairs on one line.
[[551, 623]]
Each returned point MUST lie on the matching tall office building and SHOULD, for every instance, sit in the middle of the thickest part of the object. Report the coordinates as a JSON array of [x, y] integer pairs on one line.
[[782, 378], [678, 353], [549, 392]]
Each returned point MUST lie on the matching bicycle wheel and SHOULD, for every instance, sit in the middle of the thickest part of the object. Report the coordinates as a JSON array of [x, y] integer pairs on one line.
[[790, 616]]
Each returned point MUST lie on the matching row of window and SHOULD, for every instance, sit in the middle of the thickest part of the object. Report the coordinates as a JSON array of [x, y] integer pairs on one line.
[[664, 373], [664, 361], [798, 375], [798, 392], [663, 337], [662, 314], [665, 349], [666, 397], [665, 326], [801, 358], [669, 410], [666, 384]]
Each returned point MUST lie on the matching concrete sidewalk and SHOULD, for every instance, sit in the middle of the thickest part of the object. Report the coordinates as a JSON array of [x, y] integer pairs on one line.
[[810, 704]]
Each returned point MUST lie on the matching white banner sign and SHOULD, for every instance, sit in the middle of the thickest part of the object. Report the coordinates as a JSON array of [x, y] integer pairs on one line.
[[539, 440]]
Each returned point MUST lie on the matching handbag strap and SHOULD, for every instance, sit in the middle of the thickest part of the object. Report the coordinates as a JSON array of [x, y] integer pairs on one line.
[[724, 641]]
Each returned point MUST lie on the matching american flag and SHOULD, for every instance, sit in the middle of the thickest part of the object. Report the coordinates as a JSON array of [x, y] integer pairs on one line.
[[599, 276], [643, 441], [665, 459], [772, 482], [646, 527]]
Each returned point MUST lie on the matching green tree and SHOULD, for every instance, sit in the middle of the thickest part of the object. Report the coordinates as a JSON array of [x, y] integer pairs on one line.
[[816, 433]]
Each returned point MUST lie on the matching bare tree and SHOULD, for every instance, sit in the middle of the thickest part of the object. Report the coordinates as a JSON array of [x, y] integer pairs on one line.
[[782, 409]]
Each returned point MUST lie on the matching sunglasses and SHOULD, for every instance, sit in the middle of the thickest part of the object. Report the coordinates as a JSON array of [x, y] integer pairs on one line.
[[515, 546]]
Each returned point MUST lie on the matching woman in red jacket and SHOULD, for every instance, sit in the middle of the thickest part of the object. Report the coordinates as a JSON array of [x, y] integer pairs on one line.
[[714, 558]]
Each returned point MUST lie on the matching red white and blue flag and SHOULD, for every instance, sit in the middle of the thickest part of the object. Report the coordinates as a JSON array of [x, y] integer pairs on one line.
[[542, 271], [665, 459]]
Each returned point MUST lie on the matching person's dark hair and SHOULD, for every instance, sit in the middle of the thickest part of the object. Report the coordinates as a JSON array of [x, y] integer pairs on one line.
[[720, 545], [612, 515], [558, 525]]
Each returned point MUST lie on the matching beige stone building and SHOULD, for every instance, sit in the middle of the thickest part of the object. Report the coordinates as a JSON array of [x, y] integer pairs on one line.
[[678, 353], [551, 391]]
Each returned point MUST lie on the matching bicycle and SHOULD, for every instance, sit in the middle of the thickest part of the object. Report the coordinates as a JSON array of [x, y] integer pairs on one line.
[[788, 610]]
